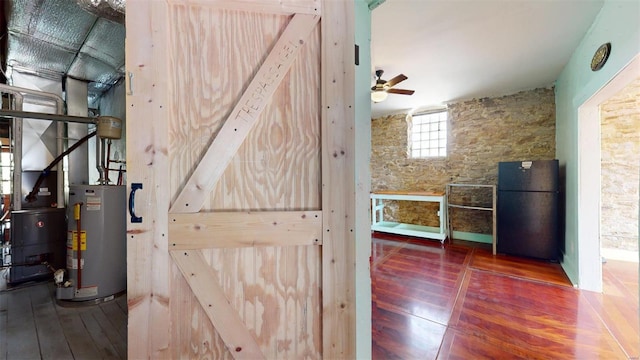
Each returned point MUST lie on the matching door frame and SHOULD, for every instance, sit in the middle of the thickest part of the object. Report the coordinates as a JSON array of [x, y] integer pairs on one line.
[[589, 186]]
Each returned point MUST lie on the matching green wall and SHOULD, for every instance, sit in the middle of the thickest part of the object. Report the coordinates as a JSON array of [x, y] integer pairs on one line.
[[363, 179], [618, 23]]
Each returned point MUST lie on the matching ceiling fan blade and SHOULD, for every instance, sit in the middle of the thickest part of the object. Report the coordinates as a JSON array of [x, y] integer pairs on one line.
[[401, 91], [396, 80]]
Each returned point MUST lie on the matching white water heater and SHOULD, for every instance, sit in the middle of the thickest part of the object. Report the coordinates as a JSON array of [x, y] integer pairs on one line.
[[96, 243]]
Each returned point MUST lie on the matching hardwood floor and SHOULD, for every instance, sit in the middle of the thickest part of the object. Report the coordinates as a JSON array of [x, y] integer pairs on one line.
[[429, 301], [458, 301], [33, 326]]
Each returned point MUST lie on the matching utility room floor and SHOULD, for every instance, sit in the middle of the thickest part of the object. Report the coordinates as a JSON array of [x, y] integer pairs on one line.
[[33, 326]]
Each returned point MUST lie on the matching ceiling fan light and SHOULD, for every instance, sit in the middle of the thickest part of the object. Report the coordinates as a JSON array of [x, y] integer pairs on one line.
[[378, 96]]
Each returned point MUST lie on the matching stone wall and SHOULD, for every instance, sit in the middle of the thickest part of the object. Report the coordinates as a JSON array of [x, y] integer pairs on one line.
[[620, 138], [482, 132]]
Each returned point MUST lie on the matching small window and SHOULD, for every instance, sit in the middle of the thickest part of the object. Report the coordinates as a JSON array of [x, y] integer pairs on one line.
[[429, 135]]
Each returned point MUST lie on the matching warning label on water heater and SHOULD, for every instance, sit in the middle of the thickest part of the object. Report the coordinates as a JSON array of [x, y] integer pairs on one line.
[[94, 203], [72, 262], [72, 240]]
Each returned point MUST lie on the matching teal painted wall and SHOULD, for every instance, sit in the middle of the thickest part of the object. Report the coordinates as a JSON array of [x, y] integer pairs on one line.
[[618, 23], [363, 179]]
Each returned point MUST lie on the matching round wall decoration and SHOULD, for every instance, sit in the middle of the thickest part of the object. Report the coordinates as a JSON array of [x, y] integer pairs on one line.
[[600, 57]]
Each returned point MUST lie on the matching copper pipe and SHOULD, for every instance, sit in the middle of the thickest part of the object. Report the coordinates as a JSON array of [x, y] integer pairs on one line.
[[106, 176], [120, 172]]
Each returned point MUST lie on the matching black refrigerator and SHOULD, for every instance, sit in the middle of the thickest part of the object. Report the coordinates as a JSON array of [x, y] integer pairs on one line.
[[528, 209]]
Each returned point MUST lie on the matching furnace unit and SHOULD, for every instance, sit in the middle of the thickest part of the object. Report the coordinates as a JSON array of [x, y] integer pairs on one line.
[[37, 240]]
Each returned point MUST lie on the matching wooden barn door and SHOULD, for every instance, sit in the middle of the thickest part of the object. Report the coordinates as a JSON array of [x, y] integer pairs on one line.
[[224, 136]]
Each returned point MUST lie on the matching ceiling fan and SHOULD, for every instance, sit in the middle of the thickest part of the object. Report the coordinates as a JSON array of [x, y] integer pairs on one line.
[[383, 88]]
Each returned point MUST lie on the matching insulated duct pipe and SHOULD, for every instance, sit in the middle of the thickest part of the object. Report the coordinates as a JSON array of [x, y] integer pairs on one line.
[[108, 128], [113, 10], [17, 136], [59, 136], [17, 131], [17, 179], [32, 195]]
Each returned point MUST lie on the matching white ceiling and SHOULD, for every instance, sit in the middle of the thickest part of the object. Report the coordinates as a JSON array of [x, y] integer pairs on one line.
[[455, 50]]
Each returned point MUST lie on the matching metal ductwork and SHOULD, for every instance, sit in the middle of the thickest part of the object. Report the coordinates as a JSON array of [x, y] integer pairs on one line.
[[108, 9], [82, 39]]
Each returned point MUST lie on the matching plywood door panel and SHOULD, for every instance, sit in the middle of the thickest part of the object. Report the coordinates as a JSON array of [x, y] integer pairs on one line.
[[193, 63], [284, 316], [338, 175], [148, 276], [222, 315], [257, 177], [285, 7], [240, 121], [245, 229]]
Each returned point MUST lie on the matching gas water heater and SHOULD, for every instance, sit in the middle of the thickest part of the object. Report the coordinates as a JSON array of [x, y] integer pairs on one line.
[[96, 244]]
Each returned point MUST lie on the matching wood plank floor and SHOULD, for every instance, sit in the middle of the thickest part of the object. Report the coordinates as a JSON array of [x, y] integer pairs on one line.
[[458, 301], [33, 326]]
